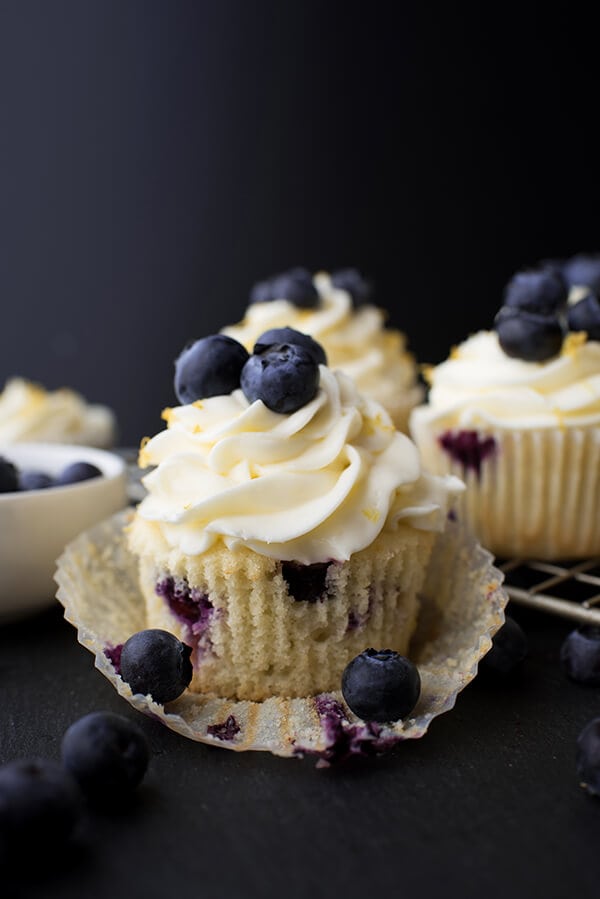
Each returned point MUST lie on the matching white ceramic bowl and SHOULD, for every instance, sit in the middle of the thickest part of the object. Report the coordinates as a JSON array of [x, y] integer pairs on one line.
[[36, 525]]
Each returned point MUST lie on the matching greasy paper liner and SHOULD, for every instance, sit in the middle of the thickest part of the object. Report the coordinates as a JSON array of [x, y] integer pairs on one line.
[[536, 494], [462, 607]]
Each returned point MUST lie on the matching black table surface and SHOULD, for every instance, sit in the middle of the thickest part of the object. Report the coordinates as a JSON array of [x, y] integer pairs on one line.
[[486, 804]]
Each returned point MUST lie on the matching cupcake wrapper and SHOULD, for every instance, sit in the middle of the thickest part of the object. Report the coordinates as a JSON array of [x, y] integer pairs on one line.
[[535, 493], [462, 605]]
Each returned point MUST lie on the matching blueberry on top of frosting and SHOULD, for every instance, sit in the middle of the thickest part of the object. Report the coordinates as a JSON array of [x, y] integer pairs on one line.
[[285, 376], [295, 285], [543, 291], [209, 367], [585, 316], [351, 280], [290, 335], [583, 270], [528, 335]]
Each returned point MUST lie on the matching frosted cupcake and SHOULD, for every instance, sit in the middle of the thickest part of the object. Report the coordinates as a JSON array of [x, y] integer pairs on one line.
[[30, 413], [335, 310], [516, 412], [287, 525]]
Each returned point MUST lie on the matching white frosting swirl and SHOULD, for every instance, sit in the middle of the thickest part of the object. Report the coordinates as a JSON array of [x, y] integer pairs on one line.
[[354, 340], [316, 485], [479, 385], [30, 413]]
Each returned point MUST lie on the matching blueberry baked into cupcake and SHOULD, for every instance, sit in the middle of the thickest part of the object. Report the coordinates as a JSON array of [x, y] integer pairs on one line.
[[516, 412], [287, 525], [336, 310]]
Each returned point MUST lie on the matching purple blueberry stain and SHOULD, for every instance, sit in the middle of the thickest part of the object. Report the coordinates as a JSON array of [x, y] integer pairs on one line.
[[468, 448], [306, 583], [357, 620], [192, 608], [226, 730], [113, 654]]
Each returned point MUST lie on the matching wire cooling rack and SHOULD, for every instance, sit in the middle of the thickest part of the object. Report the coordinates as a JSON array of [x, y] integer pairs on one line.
[[571, 590]]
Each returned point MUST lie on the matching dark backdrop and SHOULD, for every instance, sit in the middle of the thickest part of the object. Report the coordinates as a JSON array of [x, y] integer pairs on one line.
[[157, 157]]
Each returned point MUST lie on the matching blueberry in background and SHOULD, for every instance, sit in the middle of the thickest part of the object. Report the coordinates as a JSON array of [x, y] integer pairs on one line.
[[381, 685], [527, 335], [509, 649], [106, 754], [585, 316], [351, 280], [76, 472], [40, 805], [580, 655], [31, 479], [588, 757], [295, 285], [285, 377], [543, 290], [583, 270], [209, 367], [155, 662], [9, 476], [290, 335]]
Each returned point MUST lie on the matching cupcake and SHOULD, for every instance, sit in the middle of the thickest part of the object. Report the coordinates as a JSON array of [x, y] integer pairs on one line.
[[29, 413], [516, 412], [335, 310], [287, 525]]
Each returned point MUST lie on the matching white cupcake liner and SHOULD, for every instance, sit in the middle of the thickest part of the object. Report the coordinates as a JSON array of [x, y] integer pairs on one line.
[[462, 607], [536, 495]]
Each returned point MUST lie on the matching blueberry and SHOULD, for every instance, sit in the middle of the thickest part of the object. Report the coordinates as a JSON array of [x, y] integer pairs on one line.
[[295, 285], [381, 685], [209, 367], [588, 757], [285, 377], [527, 335], [30, 479], [39, 803], [543, 291], [9, 476], [585, 316], [583, 270], [290, 335], [76, 472], [351, 280], [106, 754], [509, 649], [580, 655], [156, 662]]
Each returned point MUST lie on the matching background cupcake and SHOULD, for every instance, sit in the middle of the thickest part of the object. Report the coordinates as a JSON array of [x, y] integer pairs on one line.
[[516, 411], [287, 525], [336, 310]]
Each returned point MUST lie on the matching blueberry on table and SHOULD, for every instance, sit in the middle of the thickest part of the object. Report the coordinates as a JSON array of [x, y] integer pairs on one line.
[[76, 472], [583, 270], [580, 655], [509, 649], [31, 479], [290, 335], [106, 754], [295, 285], [585, 316], [588, 757], [542, 290], [209, 367], [527, 335], [381, 685], [285, 377], [9, 476], [351, 280], [40, 803], [156, 662]]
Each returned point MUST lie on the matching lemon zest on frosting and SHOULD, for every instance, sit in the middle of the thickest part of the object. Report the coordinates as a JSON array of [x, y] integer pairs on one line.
[[143, 460], [572, 342], [371, 514], [167, 415], [198, 404]]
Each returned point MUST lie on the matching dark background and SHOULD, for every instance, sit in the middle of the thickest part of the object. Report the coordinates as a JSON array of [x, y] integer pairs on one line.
[[158, 157]]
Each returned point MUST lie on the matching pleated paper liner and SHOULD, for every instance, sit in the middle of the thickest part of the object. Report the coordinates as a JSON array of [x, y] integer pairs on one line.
[[462, 607]]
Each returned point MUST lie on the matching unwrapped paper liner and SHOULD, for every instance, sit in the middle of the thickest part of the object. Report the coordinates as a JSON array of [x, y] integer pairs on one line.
[[462, 607]]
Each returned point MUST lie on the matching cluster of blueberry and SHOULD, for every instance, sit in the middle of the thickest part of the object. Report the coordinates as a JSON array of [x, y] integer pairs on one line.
[[580, 659], [13, 480], [297, 287], [532, 322], [283, 370]]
